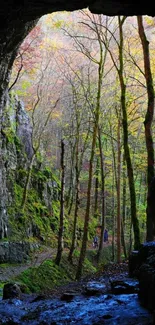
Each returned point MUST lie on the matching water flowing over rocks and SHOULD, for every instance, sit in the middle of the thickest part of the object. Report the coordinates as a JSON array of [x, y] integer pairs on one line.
[[89, 302]]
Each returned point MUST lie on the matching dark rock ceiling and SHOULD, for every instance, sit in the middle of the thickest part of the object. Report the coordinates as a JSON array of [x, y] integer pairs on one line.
[[17, 17], [29, 10]]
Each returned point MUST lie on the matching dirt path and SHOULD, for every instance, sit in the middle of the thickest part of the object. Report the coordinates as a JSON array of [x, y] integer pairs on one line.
[[8, 272]]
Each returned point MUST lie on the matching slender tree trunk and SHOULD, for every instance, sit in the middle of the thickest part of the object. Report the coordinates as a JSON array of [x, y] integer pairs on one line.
[[77, 202], [61, 222], [126, 143], [95, 130], [86, 223], [113, 216], [148, 131], [96, 210], [102, 196], [124, 209], [77, 171], [35, 148], [69, 199], [118, 193], [71, 203]]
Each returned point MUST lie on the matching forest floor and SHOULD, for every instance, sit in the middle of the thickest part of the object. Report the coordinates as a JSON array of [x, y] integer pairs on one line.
[[84, 307], [7, 272], [53, 308]]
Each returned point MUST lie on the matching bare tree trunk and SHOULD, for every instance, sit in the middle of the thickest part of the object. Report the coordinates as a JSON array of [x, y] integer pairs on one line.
[[86, 223], [35, 148], [148, 131], [118, 193], [103, 197], [61, 222], [124, 209], [96, 210], [69, 196], [113, 217], [134, 219], [95, 130], [76, 201]]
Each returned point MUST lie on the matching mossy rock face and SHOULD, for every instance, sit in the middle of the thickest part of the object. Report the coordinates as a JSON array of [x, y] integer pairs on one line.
[[14, 252]]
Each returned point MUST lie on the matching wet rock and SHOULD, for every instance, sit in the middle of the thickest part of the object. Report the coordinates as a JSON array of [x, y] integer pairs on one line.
[[147, 286], [68, 296], [94, 288], [107, 316], [45, 323], [142, 265], [11, 291], [39, 298], [76, 308], [137, 258], [133, 263], [124, 287], [10, 322]]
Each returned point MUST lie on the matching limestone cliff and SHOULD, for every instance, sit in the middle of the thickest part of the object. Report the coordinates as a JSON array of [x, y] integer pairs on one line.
[[17, 151]]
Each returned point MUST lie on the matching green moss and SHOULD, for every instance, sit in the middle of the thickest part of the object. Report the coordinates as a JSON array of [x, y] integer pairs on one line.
[[35, 213], [43, 278], [9, 134], [48, 275], [1, 288]]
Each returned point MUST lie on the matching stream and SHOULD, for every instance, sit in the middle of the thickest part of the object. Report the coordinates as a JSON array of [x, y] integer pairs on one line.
[[99, 301]]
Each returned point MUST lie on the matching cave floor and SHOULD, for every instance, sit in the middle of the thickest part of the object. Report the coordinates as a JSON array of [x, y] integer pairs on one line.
[[88, 302]]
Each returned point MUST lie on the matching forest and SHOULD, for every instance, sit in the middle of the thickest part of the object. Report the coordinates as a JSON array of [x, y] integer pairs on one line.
[[87, 83]]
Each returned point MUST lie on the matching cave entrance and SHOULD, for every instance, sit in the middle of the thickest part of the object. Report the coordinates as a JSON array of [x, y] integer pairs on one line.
[[66, 73]]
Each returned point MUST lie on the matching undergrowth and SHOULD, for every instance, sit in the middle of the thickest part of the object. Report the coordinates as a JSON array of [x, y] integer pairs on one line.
[[48, 275]]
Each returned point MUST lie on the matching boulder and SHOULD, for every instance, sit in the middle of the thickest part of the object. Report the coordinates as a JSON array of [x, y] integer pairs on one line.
[[133, 263], [94, 288], [142, 265], [137, 258], [127, 286], [11, 291], [147, 286], [68, 296]]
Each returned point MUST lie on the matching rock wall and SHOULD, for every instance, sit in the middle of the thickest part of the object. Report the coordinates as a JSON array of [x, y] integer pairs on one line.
[[15, 129], [142, 266], [16, 144]]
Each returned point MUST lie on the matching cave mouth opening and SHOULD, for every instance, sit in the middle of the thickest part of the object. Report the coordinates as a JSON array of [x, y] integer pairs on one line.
[[56, 75]]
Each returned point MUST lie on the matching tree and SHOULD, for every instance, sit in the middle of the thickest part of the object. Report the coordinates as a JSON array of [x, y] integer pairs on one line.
[[148, 129], [36, 142], [61, 220], [92, 25], [102, 195], [120, 72]]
